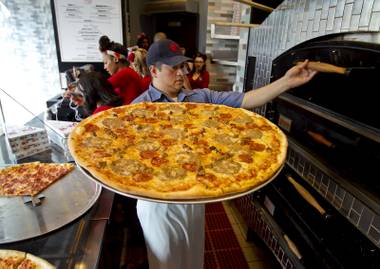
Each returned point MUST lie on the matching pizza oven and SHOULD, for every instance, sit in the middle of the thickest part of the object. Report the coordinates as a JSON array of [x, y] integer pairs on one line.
[[323, 211], [334, 117]]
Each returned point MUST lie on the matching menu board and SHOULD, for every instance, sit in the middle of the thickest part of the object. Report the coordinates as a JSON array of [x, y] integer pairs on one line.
[[80, 24]]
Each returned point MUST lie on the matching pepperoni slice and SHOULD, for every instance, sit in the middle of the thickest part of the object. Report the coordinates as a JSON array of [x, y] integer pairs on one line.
[[150, 107], [257, 146], [168, 142], [225, 116], [238, 127], [151, 120], [246, 176], [251, 125], [192, 167], [190, 106], [141, 177], [148, 154], [154, 135], [101, 154], [158, 161], [245, 158], [91, 127], [208, 179], [166, 126]]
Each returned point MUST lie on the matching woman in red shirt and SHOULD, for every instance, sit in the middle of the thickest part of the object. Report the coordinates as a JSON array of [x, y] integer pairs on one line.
[[94, 93], [126, 82], [137, 58], [199, 77]]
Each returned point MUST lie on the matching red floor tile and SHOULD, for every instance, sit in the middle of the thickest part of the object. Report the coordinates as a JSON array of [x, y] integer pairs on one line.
[[214, 208], [222, 250], [218, 221], [224, 240]]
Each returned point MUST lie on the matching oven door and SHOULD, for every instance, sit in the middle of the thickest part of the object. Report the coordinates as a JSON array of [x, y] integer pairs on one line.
[[323, 237]]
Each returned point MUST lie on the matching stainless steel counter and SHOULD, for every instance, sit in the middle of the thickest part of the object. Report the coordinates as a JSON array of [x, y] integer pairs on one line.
[[77, 244]]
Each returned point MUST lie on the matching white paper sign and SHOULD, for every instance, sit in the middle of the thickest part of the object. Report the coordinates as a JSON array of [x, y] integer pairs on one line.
[[81, 23]]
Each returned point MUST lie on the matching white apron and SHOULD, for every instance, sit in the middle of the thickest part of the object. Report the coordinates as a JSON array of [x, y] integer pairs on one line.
[[174, 234]]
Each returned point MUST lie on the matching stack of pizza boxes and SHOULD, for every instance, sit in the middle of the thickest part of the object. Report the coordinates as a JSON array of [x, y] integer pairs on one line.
[[26, 141], [58, 132]]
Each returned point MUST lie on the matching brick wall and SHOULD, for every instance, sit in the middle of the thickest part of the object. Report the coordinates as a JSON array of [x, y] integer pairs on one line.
[[222, 77]]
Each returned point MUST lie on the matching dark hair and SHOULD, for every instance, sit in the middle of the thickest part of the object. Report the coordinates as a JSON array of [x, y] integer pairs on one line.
[[204, 57], [106, 44], [96, 88], [141, 39]]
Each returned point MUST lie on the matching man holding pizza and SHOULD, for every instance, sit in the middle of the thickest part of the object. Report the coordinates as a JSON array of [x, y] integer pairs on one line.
[[174, 233]]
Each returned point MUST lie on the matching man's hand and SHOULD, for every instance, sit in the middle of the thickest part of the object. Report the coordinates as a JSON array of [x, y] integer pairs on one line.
[[294, 77], [299, 74]]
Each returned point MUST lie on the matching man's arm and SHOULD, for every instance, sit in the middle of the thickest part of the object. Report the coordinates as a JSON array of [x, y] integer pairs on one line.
[[294, 77]]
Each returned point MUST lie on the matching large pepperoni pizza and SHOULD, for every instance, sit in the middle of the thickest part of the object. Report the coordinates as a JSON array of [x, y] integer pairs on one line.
[[179, 151]]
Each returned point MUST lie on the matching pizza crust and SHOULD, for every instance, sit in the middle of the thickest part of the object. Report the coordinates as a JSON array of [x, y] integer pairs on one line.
[[41, 263], [14, 259]]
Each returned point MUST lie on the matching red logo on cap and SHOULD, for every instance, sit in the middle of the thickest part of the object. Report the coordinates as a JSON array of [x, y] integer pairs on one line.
[[173, 47]]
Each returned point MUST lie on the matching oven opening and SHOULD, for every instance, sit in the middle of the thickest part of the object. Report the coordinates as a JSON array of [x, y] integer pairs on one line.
[[335, 116], [350, 95]]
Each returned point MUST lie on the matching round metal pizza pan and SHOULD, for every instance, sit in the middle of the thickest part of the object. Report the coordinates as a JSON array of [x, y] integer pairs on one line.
[[64, 201], [185, 201]]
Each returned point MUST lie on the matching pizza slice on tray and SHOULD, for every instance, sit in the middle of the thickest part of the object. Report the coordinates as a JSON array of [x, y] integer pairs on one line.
[[31, 178]]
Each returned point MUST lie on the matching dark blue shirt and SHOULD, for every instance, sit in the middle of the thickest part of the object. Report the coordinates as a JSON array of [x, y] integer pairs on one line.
[[232, 99]]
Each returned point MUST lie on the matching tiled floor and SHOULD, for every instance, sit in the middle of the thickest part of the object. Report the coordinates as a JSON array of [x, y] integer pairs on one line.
[[128, 251], [258, 257], [222, 249]]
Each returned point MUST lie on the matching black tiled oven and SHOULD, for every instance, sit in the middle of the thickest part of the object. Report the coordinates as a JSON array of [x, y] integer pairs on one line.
[[329, 209]]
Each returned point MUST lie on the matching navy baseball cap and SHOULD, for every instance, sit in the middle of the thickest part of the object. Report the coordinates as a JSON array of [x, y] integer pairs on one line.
[[165, 51]]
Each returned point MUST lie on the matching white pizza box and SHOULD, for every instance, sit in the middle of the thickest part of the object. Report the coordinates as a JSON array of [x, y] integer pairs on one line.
[[58, 131], [19, 134], [30, 144], [26, 140], [31, 151]]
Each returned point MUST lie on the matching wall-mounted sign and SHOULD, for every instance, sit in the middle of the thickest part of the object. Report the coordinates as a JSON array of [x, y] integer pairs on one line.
[[80, 24]]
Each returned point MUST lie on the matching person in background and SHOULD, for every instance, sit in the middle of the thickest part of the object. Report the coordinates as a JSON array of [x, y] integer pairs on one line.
[[199, 77], [137, 58], [159, 36], [174, 233], [94, 93], [143, 41], [126, 82]]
